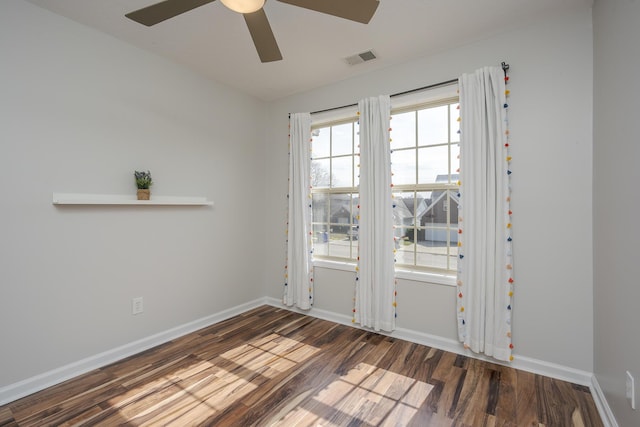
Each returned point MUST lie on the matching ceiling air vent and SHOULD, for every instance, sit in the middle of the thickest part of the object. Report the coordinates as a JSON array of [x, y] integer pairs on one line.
[[359, 58]]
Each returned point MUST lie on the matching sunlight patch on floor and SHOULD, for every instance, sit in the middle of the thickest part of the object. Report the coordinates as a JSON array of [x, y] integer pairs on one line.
[[216, 384], [367, 393]]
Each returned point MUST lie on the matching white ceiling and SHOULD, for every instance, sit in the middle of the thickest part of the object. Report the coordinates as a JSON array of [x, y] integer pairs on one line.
[[215, 42]]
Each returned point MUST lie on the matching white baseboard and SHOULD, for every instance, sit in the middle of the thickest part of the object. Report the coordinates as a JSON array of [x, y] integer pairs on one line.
[[47, 379], [608, 419]]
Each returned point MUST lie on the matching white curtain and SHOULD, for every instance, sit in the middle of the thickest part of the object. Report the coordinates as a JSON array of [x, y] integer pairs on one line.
[[375, 277], [485, 280], [298, 288]]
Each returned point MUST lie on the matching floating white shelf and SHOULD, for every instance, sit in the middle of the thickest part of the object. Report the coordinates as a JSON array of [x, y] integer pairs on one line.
[[127, 199]]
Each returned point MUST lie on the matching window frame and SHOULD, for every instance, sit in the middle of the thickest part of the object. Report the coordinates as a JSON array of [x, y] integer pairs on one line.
[[403, 271], [447, 187], [332, 191]]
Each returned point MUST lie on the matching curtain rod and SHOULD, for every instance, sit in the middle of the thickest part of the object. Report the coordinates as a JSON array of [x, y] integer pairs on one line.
[[505, 68], [406, 92]]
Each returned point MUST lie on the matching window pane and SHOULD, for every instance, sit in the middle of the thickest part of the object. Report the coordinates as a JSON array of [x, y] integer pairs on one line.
[[339, 246], [403, 213], [320, 239], [436, 211], [320, 204], [341, 213], [320, 143], [403, 131], [438, 238], [453, 212], [342, 172], [356, 172], [355, 200], [356, 137], [433, 126], [432, 250], [423, 206], [405, 248], [454, 114], [434, 165], [342, 139], [403, 166], [455, 162], [320, 173]]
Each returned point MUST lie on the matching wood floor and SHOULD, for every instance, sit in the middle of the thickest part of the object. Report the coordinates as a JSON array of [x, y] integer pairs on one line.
[[272, 367]]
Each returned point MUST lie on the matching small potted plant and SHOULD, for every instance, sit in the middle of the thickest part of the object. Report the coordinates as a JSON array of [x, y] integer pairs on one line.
[[143, 182]]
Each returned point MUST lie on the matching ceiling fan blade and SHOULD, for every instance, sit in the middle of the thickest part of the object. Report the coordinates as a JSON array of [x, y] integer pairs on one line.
[[162, 11], [353, 10], [262, 36]]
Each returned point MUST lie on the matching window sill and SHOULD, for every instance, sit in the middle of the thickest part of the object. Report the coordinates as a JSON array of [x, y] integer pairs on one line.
[[418, 276], [335, 265], [427, 277]]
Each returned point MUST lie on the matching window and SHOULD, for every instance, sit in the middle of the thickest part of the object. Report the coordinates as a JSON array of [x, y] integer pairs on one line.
[[425, 145], [334, 181], [424, 163]]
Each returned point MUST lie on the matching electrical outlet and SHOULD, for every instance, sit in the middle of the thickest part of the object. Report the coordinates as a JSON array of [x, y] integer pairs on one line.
[[631, 390], [137, 306]]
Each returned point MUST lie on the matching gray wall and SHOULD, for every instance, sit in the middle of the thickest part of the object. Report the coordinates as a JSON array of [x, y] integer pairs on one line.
[[79, 111], [616, 201]]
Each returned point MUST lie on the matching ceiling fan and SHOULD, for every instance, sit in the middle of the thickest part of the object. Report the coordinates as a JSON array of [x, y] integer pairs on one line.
[[354, 10]]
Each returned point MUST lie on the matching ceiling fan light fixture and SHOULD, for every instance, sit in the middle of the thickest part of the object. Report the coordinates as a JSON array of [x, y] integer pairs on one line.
[[244, 6]]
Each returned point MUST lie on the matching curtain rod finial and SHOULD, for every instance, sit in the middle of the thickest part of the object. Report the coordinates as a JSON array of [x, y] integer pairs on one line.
[[505, 68]]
